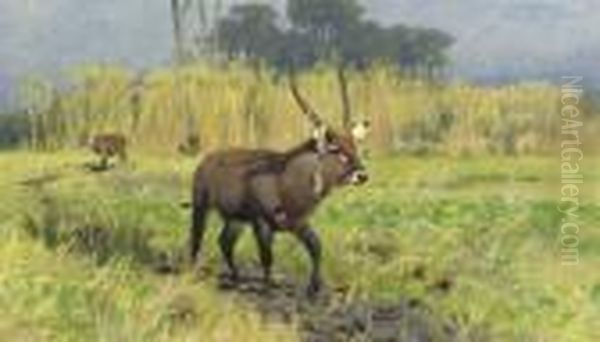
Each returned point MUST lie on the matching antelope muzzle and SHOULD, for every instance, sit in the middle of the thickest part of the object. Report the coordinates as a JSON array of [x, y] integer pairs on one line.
[[359, 177]]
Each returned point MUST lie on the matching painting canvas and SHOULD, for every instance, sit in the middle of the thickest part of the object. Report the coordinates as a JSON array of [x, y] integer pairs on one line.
[[299, 170]]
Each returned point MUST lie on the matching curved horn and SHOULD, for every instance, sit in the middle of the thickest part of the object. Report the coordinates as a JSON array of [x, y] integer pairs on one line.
[[308, 111]]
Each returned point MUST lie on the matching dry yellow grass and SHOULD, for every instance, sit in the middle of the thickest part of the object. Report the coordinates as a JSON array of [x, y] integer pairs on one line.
[[233, 105]]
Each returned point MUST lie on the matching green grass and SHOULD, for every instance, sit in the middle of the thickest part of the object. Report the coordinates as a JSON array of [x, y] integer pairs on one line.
[[77, 253]]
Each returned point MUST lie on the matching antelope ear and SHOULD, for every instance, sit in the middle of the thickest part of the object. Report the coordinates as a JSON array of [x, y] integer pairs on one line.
[[361, 130]]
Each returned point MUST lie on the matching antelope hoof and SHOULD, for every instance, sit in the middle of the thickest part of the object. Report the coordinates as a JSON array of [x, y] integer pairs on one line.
[[234, 276], [230, 275], [229, 280]]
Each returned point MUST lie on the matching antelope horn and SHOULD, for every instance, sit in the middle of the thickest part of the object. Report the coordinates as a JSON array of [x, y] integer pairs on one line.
[[308, 111]]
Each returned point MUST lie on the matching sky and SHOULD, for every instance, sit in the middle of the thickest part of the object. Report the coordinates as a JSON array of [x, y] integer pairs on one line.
[[510, 38], [496, 39]]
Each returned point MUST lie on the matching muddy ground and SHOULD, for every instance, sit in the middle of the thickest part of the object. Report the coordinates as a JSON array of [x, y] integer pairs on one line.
[[333, 316]]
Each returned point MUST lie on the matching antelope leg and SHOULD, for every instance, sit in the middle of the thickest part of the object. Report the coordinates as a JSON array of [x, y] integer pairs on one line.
[[312, 243], [264, 239], [227, 240]]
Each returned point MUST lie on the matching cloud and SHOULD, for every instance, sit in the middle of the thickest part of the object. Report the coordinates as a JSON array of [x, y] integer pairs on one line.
[[522, 36], [48, 35], [511, 35]]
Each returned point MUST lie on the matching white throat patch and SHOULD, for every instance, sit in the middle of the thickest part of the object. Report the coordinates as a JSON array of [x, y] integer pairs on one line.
[[319, 134], [318, 183]]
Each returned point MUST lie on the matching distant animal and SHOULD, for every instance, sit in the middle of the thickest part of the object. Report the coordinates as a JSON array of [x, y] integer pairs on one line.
[[107, 146], [274, 192]]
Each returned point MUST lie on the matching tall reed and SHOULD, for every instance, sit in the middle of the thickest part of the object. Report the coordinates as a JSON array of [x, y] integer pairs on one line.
[[235, 105]]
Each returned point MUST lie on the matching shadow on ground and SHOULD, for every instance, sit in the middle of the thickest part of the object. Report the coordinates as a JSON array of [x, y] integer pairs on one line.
[[335, 316], [57, 224]]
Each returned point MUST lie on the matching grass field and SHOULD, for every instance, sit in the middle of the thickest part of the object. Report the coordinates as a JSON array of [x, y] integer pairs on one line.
[[79, 251]]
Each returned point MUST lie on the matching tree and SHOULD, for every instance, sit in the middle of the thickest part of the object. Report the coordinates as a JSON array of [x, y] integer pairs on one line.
[[249, 32], [193, 22], [362, 44], [293, 51], [176, 8], [413, 47], [328, 26], [334, 31], [14, 129], [326, 22], [431, 45]]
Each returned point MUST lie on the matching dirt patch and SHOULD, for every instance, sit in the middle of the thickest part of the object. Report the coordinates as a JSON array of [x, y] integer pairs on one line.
[[96, 167], [335, 317]]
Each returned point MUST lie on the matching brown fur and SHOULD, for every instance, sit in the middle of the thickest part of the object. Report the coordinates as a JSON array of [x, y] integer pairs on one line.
[[107, 146], [273, 191]]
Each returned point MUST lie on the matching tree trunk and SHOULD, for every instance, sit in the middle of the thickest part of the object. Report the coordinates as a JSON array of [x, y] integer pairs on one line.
[[176, 17]]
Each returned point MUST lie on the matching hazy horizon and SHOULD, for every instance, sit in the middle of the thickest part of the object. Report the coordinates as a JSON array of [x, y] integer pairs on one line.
[[496, 41]]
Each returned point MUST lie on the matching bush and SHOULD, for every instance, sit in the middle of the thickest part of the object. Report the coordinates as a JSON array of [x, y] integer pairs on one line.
[[14, 130]]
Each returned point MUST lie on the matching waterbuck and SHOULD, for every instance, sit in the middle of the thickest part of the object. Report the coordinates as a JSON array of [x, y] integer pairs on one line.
[[274, 192], [107, 146]]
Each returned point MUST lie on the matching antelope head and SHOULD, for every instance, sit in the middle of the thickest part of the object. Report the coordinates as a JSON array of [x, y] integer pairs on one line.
[[337, 148]]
